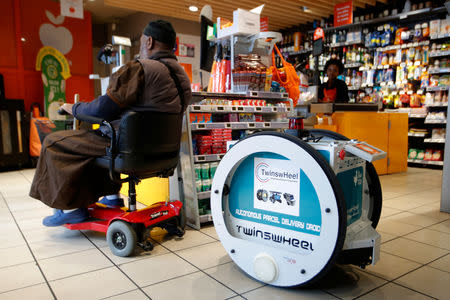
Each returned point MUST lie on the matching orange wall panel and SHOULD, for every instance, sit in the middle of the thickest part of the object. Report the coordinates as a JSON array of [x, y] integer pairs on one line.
[[8, 56], [398, 143], [81, 85], [26, 19], [72, 35]]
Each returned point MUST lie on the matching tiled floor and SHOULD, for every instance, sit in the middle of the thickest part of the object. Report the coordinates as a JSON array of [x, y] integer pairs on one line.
[[55, 263]]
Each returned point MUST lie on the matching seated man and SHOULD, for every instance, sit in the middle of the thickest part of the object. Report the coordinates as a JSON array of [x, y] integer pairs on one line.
[[66, 177]]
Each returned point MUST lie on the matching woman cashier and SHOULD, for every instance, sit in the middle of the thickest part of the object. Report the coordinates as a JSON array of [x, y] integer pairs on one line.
[[334, 90]]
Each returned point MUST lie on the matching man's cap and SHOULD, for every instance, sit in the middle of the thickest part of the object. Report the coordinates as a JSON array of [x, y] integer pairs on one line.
[[161, 31]]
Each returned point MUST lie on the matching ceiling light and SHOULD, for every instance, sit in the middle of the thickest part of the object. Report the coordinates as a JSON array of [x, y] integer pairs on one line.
[[193, 8], [23, 39]]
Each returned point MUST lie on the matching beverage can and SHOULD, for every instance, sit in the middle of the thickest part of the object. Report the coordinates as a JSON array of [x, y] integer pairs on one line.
[[198, 171], [199, 186], [206, 185], [205, 171], [213, 168]]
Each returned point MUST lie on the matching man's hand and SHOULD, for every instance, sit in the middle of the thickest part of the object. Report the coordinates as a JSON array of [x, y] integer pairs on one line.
[[67, 107]]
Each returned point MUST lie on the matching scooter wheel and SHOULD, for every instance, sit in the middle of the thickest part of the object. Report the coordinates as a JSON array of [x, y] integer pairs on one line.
[[121, 238]]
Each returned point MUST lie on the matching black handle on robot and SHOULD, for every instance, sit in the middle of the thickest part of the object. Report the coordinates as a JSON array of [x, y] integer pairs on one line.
[[62, 111], [91, 119]]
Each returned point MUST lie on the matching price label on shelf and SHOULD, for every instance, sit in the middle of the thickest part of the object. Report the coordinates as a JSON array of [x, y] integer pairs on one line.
[[394, 93], [390, 83], [417, 63], [383, 84], [416, 44], [410, 92], [386, 66], [402, 92], [403, 65], [419, 92]]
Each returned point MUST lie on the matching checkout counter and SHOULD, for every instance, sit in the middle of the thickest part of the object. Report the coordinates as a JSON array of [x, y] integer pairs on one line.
[[387, 131]]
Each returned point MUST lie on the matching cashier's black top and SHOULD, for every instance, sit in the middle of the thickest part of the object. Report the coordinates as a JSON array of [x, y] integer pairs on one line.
[[338, 92]]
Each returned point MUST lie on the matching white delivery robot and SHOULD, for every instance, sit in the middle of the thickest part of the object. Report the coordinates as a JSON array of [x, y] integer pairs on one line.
[[286, 209]]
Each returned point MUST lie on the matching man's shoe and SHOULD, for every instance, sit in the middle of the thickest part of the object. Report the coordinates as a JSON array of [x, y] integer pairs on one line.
[[60, 217], [114, 203]]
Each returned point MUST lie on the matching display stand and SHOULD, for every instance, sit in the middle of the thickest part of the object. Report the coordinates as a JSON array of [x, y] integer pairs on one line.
[[445, 197], [261, 44], [187, 157]]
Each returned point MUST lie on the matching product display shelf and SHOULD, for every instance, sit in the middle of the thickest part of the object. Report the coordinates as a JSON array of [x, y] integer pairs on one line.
[[416, 14], [435, 122], [239, 109], [240, 125], [437, 88], [417, 134], [440, 36], [274, 114], [426, 162], [439, 53], [208, 158], [428, 141], [439, 71], [437, 141]]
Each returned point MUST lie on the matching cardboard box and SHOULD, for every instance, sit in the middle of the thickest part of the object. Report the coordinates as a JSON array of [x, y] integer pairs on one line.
[[244, 23], [435, 28]]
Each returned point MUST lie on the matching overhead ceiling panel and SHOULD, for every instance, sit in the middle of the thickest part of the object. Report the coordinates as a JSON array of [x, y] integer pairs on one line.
[[281, 13]]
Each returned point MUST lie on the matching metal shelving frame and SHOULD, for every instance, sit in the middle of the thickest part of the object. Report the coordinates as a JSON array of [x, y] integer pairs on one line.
[[187, 157]]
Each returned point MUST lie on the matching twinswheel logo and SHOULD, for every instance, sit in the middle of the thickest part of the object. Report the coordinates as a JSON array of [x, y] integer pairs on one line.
[[259, 172], [263, 172]]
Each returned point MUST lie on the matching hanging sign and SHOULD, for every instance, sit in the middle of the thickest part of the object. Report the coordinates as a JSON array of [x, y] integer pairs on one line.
[[343, 13], [318, 33], [55, 70], [264, 24], [318, 41], [72, 8]]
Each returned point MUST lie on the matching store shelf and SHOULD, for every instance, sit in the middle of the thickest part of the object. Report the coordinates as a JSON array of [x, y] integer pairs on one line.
[[336, 45], [204, 195], [437, 141], [439, 53], [250, 94], [435, 122], [440, 71], [205, 218], [239, 125], [437, 88], [416, 14], [426, 162], [354, 88], [298, 52], [422, 135], [438, 105], [276, 108], [403, 46], [353, 65], [208, 157], [238, 109]]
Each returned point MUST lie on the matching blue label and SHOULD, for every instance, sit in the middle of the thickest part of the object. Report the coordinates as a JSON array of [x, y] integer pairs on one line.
[[325, 154], [351, 182], [307, 215]]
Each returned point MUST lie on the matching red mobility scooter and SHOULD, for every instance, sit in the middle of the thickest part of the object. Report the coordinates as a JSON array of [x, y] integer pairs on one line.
[[146, 145]]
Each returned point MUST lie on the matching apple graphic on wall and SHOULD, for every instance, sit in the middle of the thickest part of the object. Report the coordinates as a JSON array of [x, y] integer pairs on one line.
[[58, 37]]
